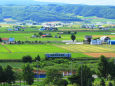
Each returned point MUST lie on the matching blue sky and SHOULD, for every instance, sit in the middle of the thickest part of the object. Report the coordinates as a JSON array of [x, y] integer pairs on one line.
[[89, 2]]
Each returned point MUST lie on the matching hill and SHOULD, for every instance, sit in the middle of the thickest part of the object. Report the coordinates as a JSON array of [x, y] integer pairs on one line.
[[55, 12]]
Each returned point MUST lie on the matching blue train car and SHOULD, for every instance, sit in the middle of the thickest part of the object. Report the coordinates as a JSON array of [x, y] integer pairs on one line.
[[58, 55]]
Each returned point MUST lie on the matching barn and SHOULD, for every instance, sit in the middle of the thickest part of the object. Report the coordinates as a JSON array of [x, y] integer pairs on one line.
[[111, 42]]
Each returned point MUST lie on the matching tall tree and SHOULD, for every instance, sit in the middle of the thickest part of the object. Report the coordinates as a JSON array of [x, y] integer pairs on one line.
[[10, 75], [103, 67], [1, 74], [73, 37], [28, 74], [83, 76]]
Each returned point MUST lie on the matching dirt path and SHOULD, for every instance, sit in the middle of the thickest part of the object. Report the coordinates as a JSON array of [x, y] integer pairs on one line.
[[6, 48]]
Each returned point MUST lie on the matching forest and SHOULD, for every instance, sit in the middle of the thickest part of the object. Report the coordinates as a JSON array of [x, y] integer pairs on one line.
[[55, 12]]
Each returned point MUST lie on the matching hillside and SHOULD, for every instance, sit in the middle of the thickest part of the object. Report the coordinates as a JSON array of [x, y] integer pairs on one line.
[[55, 12]]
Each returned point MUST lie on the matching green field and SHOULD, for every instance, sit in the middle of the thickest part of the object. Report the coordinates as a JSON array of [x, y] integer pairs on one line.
[[18, 51]]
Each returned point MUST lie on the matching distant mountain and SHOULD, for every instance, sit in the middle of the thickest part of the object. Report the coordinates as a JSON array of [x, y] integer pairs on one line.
[[24, 2], [55, 12]]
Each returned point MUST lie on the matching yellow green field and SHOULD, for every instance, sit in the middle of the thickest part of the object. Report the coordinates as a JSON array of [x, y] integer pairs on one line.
[[88, 48]]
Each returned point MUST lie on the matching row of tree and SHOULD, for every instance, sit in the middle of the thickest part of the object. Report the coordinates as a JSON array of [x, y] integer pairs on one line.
[[8, 75]]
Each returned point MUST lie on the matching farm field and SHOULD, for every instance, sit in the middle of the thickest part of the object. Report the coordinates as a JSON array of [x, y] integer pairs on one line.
[[91, 50], [18, 51]]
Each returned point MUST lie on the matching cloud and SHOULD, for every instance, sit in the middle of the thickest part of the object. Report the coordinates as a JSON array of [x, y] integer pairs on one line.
[[89, 2]]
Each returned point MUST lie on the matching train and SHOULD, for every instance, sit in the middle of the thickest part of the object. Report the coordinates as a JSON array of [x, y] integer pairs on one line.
[[58, 55]]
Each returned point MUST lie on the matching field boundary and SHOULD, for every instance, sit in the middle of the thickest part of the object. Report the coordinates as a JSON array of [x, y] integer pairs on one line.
[[7, 48]]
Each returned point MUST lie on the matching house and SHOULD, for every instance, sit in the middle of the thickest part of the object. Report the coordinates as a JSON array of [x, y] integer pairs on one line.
[[5, 40], [105, 39], [96, 42]]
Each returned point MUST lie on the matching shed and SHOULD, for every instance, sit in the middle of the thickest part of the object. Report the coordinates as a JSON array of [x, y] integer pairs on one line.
[[111, 42], [105, 39]]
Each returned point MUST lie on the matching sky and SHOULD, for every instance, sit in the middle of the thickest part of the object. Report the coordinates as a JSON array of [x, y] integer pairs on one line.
[[88, 2]]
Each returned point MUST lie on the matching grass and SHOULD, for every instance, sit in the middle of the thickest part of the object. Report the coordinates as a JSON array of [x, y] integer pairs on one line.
[[18, 51]]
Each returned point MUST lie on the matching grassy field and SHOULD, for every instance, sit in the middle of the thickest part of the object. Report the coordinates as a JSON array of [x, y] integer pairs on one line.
[[18, 51]]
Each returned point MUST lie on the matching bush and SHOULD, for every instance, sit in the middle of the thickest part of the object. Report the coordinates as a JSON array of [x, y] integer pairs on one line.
[[27, 59], [62, 82], [37, 58]]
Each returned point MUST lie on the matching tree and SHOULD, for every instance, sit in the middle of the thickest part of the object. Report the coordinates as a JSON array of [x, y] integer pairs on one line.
[[62, 82], [111, 69], [10, 75], [28, 74], [40, 33], [52, 76], [73, 37], [1, 74], [37, 58], [103, 67], [110, 84], [0, 40], [102, 83], [83, 76], [19, 76], [27, 59]]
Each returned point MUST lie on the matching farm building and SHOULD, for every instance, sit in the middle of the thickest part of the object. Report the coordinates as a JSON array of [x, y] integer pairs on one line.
[[5, 40], [104, 39], [111, 42], [96, 42], [11, 39]]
